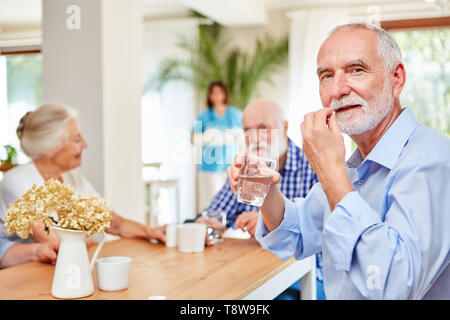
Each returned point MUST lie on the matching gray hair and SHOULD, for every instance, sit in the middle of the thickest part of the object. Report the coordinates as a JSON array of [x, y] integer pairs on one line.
[[281, 115], [388, 49], [278, 112], [44, 130]]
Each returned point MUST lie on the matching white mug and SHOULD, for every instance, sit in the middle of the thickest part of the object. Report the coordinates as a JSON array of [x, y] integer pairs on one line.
[[171, 235], [113, 273], [191, 237]]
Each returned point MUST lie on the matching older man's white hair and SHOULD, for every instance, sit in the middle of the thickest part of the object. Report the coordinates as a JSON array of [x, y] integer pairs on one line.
[[387, 47], [277, 111]]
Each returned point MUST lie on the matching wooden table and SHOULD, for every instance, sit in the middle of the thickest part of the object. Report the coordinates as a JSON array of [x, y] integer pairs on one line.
[[233, 269]]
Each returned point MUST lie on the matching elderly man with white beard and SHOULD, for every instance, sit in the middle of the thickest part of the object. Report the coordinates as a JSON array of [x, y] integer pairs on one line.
[[381, 218], [266, 135]]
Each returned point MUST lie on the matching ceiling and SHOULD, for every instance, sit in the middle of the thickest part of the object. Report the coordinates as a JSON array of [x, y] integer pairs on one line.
[[28, 13], [20, 13]]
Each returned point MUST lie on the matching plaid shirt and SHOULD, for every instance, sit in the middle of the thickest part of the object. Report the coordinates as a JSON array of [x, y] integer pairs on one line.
[[297, 178]]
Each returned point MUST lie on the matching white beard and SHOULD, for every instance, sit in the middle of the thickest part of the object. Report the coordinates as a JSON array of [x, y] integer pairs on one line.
[[273, 151], [373, 114]]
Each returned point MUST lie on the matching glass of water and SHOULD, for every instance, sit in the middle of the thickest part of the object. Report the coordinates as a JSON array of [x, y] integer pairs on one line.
[[254, 179], [216, 222]]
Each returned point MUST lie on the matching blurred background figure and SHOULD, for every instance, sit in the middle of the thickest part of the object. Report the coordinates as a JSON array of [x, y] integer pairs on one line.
[[266, 130], [216, 130], [51, 136]]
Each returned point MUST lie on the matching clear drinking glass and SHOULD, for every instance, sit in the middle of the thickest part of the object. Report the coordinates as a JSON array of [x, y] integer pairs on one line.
[[216, 222], [254, 179]]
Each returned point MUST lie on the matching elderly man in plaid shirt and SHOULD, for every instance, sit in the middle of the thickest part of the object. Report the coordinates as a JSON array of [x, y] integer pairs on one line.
[[261, 119]]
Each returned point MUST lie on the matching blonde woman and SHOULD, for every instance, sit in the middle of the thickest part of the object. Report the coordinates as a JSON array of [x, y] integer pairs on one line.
[[51, 136]]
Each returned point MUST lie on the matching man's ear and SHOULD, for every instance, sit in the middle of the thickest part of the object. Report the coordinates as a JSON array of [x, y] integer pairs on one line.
[[398, 79], [286, 125]]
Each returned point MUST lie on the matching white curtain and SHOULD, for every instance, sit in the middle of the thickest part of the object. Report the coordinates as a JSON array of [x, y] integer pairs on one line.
[[308, 29], [3, 104], [168, 115]]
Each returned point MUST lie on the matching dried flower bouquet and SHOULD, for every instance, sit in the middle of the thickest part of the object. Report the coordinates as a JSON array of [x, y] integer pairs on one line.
[[54, 204]]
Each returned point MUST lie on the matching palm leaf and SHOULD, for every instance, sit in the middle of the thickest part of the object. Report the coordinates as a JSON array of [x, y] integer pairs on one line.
[[211, 59], [232, 70], [207, 50], [170, 70]]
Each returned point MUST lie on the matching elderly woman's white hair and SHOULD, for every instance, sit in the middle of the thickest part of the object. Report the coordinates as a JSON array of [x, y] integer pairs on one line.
[[44, 130]]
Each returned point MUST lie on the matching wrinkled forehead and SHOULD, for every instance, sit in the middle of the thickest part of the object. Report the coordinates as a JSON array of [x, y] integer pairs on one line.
[[73, 127], [348, 45], [257, 116]]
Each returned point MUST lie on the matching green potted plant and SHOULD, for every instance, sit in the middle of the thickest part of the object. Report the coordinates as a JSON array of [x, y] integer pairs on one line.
[[11, 158], [211, 58]]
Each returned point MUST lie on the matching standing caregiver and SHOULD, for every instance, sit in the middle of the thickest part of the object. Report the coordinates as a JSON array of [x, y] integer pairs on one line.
[[218, 129]]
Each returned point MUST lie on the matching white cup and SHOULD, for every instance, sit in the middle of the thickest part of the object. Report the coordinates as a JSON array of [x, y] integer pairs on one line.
[[191, 237], [113, 273], [171, 235]]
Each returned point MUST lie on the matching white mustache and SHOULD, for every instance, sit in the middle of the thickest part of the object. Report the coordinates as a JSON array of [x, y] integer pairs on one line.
[[336, 104], [260, 145]]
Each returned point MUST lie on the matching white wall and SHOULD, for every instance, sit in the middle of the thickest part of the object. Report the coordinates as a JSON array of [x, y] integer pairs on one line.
[[245, 38], [3, 103], [72, 74], [174, 107], [122, 89], [97, 70]]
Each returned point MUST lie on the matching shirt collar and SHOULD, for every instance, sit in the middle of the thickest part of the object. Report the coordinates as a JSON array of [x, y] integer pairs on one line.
[[291, 163], [389, 148]]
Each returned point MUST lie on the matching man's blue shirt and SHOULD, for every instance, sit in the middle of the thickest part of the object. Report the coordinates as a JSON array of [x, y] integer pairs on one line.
[[388, 239]]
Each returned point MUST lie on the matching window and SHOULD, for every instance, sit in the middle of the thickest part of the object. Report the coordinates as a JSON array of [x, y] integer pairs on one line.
[[426, 55], [425, 46], [21, 80]]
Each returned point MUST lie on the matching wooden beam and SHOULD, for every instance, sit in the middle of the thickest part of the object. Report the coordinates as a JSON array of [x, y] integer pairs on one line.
[[4, 52], [409, 24]]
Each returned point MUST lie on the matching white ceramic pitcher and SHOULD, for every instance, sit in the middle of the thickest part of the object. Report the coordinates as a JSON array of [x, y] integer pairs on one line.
[[73, 272]]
